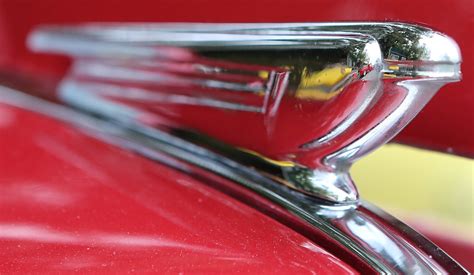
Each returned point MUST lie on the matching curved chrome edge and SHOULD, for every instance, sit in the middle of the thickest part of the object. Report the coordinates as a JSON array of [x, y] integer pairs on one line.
[[412, 59], [431, 46], [383, 242]]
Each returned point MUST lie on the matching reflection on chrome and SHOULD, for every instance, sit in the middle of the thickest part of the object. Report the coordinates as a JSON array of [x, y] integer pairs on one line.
[[395, 251]]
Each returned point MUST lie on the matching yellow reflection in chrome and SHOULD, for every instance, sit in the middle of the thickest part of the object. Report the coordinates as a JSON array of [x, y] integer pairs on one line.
[[322, 85], [280, 163]]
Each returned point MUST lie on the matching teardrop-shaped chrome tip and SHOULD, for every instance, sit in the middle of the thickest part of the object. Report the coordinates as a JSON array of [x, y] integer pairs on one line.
[[334, 187]]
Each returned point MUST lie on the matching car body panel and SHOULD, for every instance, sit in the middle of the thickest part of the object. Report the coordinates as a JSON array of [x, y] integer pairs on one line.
[[69, 202]]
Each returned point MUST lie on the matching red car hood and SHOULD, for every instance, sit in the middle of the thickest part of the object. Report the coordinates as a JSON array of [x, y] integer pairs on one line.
[[70, 202]]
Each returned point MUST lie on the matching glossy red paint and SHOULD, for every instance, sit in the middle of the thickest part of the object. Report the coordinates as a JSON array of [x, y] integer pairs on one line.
[[460, 250], [69, 202], [444, 124]]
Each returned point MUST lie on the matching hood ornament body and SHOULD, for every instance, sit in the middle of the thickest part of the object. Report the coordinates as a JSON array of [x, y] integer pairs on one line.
[[309, 99]]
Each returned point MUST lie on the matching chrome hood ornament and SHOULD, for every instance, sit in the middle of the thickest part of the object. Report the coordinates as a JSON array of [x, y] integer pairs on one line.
[[309, 99]]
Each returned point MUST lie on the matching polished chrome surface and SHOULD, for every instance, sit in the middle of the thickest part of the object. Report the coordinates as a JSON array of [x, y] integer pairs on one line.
[[311, 98], [383, 242]]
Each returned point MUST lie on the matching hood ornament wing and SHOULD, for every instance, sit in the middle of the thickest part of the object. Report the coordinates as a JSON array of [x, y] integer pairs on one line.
[[310, 98]]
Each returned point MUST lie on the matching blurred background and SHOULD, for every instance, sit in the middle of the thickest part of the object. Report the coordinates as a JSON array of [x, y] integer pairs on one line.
[[431, 191]]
